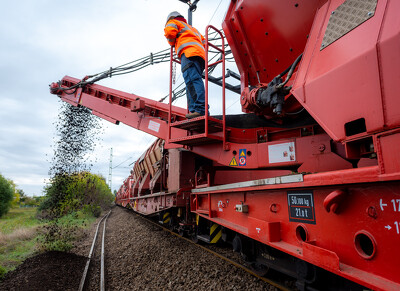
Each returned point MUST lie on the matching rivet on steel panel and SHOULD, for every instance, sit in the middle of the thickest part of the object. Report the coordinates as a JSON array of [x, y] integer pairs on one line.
[[273, 208], [371, 211]]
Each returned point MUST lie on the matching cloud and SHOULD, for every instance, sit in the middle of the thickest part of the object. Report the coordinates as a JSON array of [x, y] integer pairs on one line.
[[42, 41]]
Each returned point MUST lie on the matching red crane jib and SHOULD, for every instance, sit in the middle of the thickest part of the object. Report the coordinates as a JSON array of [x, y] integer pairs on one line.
[[152, 117]]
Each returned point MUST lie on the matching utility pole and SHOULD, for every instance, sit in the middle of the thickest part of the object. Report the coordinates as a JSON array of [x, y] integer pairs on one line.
[[110, 170], [192, 8]]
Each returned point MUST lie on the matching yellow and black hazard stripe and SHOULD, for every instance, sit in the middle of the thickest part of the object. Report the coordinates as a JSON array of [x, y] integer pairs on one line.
[[215, 233], [166, 217]]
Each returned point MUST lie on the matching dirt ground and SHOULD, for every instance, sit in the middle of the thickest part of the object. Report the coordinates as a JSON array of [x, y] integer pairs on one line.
[[48, 271], [139, 256]]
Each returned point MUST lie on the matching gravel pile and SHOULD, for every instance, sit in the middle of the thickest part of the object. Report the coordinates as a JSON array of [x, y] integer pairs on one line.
[[48, 271]]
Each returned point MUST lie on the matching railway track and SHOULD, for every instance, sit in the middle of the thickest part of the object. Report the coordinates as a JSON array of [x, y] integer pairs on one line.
[[218, 254], [84, 282]]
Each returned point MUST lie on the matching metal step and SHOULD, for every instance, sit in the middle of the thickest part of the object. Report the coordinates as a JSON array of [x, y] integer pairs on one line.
[[198, 124], [203, 237]]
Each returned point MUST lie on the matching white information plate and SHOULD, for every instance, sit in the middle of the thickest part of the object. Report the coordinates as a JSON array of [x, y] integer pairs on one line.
[[281, 153], [154, 126]]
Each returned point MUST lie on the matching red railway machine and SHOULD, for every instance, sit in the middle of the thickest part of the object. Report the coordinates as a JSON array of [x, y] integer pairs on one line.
[[307, 180]]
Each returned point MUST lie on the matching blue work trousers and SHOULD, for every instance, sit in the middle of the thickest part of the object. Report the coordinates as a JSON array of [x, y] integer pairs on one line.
[[192, 71]]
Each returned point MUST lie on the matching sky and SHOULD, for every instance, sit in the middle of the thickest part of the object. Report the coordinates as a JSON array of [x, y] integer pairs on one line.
[[42, 41]]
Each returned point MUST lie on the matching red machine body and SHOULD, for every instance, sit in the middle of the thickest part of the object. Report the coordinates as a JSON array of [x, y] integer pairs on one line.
[[312, 175]]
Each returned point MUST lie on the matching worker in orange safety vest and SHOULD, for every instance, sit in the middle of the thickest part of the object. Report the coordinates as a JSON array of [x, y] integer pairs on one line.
[[190, 48]]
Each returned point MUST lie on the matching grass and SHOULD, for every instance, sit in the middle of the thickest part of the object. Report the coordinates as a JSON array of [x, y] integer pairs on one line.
[[18, 218], [18, 233]]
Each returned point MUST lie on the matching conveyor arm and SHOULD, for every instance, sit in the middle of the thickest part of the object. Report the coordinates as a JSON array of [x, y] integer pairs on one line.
[[116, 106]]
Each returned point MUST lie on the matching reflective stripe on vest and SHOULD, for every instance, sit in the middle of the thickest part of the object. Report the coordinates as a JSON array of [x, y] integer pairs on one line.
[[172, 25], [195, 32], [182, 31], [186, 28], [182, 46]]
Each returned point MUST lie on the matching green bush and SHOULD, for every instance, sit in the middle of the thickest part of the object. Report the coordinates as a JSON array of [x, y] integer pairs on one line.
[[94, 210], [6, 195], [70, 193], [71, 198], [62, 233]]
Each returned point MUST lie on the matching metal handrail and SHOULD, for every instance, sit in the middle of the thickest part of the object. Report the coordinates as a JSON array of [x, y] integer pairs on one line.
[[222, 50], [170, 90]]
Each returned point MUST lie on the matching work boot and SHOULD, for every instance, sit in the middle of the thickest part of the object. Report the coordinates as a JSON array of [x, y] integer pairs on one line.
[[192, 115]]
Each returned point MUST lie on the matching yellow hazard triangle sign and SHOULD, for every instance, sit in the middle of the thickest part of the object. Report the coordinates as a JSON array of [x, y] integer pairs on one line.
[[233, 162]]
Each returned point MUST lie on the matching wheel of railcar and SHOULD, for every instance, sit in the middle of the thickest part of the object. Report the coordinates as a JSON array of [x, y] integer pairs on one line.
[[237, 244], [306, 271], [193, 234], [194, 238], [181, 231], [241, 245], [259, 269]]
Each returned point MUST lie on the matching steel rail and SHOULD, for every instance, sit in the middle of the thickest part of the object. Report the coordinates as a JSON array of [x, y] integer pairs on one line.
[[102, 280], [266, 280], [85, 271]]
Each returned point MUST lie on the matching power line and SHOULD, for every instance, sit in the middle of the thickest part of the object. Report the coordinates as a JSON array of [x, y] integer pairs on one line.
[[110, 170], [122, 163], [214, 12]]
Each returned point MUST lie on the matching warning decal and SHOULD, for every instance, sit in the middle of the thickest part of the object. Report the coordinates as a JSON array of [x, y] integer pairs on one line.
[[242, 157], [242, 161], [233, 162]]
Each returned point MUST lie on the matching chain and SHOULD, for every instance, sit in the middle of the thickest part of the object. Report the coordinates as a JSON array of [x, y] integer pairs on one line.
[[173, 73]]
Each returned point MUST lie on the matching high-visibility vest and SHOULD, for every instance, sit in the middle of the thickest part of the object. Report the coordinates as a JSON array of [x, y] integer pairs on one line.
[[186, 39]]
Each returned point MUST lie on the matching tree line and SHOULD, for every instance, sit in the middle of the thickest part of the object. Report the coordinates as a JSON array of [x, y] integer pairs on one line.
[[64, 194]]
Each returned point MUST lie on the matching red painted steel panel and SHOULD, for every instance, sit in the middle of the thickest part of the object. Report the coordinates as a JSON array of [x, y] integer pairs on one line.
[[267, 36], [180, 170], [342, 83], [389, 56], [373, 209], [390, 150]]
